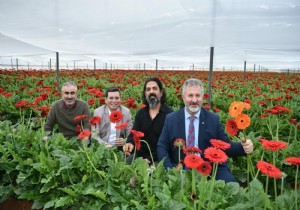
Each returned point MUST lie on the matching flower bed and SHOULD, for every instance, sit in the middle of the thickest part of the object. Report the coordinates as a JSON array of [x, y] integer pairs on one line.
[[56, 173]]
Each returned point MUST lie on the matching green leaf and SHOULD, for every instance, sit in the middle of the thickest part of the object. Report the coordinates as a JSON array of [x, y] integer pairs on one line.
[[48, 185], [84, 178], [49, 204], [63, 201], [5, 192], [96, 193], [21, 177], [69, 191]]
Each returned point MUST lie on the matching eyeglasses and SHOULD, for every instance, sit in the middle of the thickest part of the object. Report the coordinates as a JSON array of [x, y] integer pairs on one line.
[[68, 93]]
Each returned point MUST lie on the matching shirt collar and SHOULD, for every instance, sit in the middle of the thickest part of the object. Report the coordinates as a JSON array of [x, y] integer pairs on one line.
[[187, 115]]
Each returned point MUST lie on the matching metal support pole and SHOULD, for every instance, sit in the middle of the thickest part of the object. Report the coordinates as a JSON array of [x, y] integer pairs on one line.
[[245, 70], [211, 65], [57, 71], [17, 64], [156, 66]]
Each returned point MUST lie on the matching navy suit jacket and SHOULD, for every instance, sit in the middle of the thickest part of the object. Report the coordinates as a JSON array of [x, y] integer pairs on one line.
[[210, 127]]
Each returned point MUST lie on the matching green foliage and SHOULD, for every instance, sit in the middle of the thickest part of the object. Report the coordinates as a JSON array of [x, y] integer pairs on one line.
[[66, 174]]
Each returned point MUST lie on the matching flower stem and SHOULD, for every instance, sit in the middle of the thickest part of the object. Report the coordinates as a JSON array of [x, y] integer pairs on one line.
[[296, 186], [194, 186], [266, 190], [149, 151], [215, 167], [277, 128], [275, 192], [133, 154], [282, 186], [179, 154], [92, 164]]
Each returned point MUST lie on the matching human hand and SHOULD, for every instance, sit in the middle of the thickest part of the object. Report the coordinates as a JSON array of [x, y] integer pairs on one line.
[[147, 161], [108, 146], [247, 146], [120, 142], [128, 148]]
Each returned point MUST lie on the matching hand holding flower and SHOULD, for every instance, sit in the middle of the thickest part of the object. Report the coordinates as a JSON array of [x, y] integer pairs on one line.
[[128, 148], [119, 142], [247, 146]]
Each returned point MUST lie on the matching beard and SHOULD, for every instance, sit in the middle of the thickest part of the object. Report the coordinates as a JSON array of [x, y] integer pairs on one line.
[[152, 100], [192, 108]]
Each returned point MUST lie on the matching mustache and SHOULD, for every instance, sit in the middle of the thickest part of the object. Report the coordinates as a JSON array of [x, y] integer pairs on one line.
[[152, 94]]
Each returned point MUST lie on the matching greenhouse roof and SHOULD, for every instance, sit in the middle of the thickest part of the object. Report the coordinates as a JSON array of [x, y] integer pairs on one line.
[[137, 32]]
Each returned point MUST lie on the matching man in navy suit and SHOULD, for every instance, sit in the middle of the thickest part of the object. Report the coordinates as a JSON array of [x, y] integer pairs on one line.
[[207, 126]]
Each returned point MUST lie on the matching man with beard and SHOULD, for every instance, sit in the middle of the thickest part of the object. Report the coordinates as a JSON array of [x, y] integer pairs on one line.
[[65, 110], [149, 120], [197, 126]]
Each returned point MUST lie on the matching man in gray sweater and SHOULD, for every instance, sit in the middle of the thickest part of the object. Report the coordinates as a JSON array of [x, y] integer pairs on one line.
[[71, 114]]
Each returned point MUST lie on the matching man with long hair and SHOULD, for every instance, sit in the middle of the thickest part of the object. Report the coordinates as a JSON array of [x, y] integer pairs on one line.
[[149, 120]]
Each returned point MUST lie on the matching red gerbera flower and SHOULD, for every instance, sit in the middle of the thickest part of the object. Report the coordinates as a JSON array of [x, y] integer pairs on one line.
[[204, 168], [192, 150], [142, 106], [192, 161], [21, 104], [268, 169], [116, 116], [122, 126], [80, 117], [231, 127], [94, 120], [248, 101], [293, 160], [84, 134], [293, 121], [91, 102], [179, 143], [219, 144], [216, 109], [273, 145], [137, 135], [78, 128], [215, 155]]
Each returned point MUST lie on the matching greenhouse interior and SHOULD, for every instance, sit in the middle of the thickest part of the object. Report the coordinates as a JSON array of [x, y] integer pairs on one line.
[[97, 99]]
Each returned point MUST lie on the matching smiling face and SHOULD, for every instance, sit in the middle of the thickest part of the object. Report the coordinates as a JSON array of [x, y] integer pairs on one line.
[[153, 94], [69, 95], [113, 100], [193, 99]]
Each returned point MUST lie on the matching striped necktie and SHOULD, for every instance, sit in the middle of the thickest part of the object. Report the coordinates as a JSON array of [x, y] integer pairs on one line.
[[191, 133]]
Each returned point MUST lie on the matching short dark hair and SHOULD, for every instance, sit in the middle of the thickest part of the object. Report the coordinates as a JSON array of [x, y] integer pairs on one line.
[[111, 89], [161, 88]]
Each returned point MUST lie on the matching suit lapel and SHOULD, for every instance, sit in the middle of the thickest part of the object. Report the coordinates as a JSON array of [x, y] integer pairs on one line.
[[202, 126], [181, 122]]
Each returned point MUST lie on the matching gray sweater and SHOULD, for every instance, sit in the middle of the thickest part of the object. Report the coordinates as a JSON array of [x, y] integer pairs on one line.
[[64, 117]]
